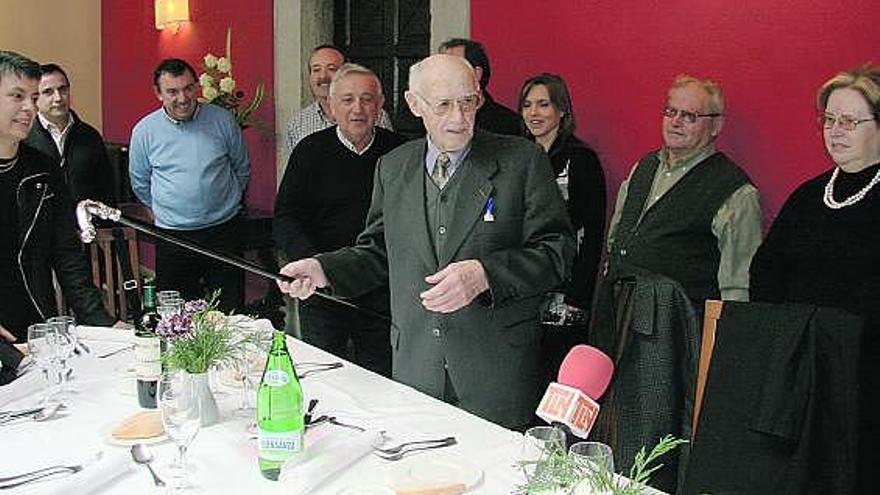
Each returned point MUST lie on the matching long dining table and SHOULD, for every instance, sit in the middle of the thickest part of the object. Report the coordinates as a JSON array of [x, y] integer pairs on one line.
[[223, 457]]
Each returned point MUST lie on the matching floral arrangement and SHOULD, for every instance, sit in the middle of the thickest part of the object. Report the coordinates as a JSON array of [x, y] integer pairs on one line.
[[219, 87], [559, 472], [199, 337]]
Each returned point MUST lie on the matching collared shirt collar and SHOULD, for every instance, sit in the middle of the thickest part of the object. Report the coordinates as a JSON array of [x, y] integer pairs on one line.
[[58, 134], [324, 117], [178, 122], [348, 144], [455, 157], [687, 161]]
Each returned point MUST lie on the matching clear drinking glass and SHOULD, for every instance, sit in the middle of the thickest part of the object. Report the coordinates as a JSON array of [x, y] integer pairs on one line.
[[42, 348], [169, 307], [538, 443], [165, 295], [593, 455], [65, 333], [181, 417]]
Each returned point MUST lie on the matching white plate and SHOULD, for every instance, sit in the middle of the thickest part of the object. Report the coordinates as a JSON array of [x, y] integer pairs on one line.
[[108, 438], [435, 469]]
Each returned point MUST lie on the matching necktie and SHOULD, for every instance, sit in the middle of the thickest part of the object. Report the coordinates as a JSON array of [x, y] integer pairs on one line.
[[440, 174]]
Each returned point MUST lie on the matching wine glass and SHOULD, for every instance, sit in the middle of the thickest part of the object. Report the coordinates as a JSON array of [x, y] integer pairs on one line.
[[42, 348], [538, 443], [65, 333], [181, 416], [593, 455]]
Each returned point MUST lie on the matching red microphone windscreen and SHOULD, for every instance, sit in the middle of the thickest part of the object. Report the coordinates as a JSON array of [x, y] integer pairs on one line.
[[587, 369]]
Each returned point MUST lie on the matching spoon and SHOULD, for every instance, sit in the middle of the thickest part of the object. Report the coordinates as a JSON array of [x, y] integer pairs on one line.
[[142, 455]]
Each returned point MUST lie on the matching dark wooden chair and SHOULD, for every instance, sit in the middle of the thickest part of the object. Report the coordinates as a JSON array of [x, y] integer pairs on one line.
[[108, 273]]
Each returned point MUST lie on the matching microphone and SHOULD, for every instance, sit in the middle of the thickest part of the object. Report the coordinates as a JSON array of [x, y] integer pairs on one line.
[[570, 402]]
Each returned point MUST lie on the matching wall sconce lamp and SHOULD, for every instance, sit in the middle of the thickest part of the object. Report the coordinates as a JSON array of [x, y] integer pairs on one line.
[[170, 13]]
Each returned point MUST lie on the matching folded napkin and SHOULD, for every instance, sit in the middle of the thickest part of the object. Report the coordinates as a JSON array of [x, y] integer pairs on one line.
[[320, 462], [108, 468], [27, 384]]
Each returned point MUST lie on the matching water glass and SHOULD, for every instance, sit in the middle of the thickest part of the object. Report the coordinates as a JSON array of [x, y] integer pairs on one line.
[[170, 307], [165, 295], [593, 455], [65, 334], [181, 416], [538, 443], [42, 348]]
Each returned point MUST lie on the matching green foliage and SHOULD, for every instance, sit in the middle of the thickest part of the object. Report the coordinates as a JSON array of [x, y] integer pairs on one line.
[[559, 471], [211, 340]]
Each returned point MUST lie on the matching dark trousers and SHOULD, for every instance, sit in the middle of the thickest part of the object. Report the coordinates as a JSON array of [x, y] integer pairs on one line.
[[196, 275], [329, 326]]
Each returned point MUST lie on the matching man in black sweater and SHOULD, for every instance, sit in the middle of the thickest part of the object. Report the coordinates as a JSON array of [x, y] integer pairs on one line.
[[75, 145], [322, 205]]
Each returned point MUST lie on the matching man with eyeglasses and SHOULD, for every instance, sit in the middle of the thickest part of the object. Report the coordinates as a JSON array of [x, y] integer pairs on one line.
[[321, 206], [469, 230], [687, 211]]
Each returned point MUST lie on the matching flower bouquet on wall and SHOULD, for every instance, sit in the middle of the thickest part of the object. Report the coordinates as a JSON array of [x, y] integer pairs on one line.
[[219, 87]]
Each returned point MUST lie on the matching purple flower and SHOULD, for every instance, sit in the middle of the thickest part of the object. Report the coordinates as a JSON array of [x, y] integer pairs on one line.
[[195, 306], [174, 326]]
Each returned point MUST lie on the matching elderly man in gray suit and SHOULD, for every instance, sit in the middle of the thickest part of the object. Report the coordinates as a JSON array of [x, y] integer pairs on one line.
[[470, 231]]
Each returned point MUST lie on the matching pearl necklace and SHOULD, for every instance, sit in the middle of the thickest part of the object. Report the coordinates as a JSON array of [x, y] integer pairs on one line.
[[855, 198]]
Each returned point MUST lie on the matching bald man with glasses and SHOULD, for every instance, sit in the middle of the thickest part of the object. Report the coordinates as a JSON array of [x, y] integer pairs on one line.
[[687, 211], [469, 230]]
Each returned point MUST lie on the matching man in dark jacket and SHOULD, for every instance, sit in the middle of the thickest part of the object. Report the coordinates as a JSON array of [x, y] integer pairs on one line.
[[76, 146], [492, 116], [36, 220]]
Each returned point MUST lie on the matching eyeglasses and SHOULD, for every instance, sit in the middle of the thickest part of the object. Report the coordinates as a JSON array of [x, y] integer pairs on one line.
[[845, 121], [689, 117], [466, 104]]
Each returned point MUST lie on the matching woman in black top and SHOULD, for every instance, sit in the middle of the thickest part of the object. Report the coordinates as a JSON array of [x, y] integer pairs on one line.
[[546, 110], [545, 106], [824, 246]]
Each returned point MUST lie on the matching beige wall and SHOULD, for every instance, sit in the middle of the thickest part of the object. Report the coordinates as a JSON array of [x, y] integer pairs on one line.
[[67, 32]]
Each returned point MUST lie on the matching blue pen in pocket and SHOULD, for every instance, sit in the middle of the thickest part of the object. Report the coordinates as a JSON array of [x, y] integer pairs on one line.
[[489, 215]]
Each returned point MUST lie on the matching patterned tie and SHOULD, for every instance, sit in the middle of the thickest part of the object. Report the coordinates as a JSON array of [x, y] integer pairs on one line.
[[440, 174]]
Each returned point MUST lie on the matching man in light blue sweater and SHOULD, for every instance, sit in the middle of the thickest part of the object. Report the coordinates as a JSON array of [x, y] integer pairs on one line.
[[190, 165]]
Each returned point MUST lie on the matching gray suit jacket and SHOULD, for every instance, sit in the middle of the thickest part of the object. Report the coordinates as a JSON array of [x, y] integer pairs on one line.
[[491, 347]]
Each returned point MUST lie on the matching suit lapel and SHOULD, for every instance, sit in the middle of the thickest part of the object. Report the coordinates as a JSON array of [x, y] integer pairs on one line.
[[412, 205], [475, 188]]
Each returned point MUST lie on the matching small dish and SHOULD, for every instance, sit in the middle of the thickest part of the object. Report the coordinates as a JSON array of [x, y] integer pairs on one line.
[[435, 469]]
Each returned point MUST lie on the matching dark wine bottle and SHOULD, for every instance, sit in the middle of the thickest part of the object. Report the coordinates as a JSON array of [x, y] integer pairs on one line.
[[148, 354]]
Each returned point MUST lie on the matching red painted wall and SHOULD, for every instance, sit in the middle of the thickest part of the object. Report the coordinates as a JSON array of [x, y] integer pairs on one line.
[[619, 58], [132, 47]]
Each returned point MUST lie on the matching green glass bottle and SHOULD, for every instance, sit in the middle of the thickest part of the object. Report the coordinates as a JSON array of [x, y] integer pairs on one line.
[[280, 415], [147, 347]]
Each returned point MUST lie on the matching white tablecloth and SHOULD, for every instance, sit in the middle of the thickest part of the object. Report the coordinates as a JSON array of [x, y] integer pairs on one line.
[[225, 455]]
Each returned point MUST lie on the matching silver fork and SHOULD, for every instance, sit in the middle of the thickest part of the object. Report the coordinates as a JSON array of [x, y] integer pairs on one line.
[[446, 442], [394, 450], [24, 478]]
